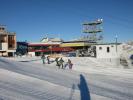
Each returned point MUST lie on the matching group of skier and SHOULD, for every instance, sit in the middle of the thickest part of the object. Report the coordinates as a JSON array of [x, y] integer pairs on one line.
[[59, 62], [44, 58]]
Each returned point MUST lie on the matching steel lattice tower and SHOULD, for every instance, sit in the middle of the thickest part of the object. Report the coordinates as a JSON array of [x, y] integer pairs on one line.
[[92, 28]]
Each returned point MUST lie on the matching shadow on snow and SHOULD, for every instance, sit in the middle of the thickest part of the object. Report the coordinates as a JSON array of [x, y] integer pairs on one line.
[[84, 90]]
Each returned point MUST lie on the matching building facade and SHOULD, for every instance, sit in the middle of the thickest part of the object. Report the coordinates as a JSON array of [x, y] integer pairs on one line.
[[37, 49], [47, 46], [108, 50], [7, 42], [109, 53]]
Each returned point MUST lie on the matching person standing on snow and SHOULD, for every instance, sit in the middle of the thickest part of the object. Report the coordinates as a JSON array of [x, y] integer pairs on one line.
[[61, 62], [48, 59], [43, 59], [70, 64], [56, 60]]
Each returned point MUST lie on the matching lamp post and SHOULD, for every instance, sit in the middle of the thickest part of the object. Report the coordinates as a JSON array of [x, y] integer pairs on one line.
[[50, 47], [116, 41], [51, 50]]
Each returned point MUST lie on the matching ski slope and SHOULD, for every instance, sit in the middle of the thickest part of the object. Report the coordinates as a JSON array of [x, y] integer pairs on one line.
[[28, 79]]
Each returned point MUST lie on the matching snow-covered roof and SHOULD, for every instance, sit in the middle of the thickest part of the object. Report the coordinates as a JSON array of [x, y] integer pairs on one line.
[[40, 43], [51, 39]]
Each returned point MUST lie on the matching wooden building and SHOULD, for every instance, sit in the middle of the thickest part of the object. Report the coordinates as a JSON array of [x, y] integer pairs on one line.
[[7, 42]]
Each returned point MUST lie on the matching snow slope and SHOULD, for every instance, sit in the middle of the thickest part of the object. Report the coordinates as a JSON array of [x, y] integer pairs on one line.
[[29, 79], [85, 64]]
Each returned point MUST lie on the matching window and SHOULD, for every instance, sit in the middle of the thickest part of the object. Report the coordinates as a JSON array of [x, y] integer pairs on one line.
[[100, 48], [10, 46], [108, 49]]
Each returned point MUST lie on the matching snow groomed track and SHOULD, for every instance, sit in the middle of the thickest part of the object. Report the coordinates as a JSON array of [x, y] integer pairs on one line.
[[34, 81]]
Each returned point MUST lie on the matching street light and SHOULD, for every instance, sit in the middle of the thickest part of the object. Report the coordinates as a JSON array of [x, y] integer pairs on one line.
[[116, 41], [51, 50]]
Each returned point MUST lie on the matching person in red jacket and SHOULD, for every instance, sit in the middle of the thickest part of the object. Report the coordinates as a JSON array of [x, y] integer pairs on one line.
[[70, 64]]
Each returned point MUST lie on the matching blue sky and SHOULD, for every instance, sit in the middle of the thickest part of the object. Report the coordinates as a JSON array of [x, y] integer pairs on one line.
[[33, 19]]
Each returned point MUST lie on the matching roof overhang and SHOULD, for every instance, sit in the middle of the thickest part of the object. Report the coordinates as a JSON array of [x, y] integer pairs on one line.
[[78, 44]]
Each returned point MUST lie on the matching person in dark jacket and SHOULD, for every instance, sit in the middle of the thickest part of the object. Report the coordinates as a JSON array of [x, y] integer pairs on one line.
[[48, 59], [56, 60], [61, 61], [43, 59]]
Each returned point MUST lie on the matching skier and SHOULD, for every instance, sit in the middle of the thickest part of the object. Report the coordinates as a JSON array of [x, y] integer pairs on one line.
[[57, 62], [48, 59], [70, 64], [61, 62], [43, 59]]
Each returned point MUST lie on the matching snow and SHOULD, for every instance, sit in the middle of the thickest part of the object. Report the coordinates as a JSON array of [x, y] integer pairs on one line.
[[32, 86], [26, 78], [86, 64]]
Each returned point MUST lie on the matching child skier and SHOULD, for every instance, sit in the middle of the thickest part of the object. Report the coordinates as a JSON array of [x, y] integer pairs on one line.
[[70, 64]]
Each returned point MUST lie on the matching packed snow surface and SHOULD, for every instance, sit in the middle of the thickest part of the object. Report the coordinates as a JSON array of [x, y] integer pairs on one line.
[[26, 78]]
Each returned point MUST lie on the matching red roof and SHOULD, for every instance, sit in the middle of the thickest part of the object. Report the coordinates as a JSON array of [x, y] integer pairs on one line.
[[56, 49], [41, 44]]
